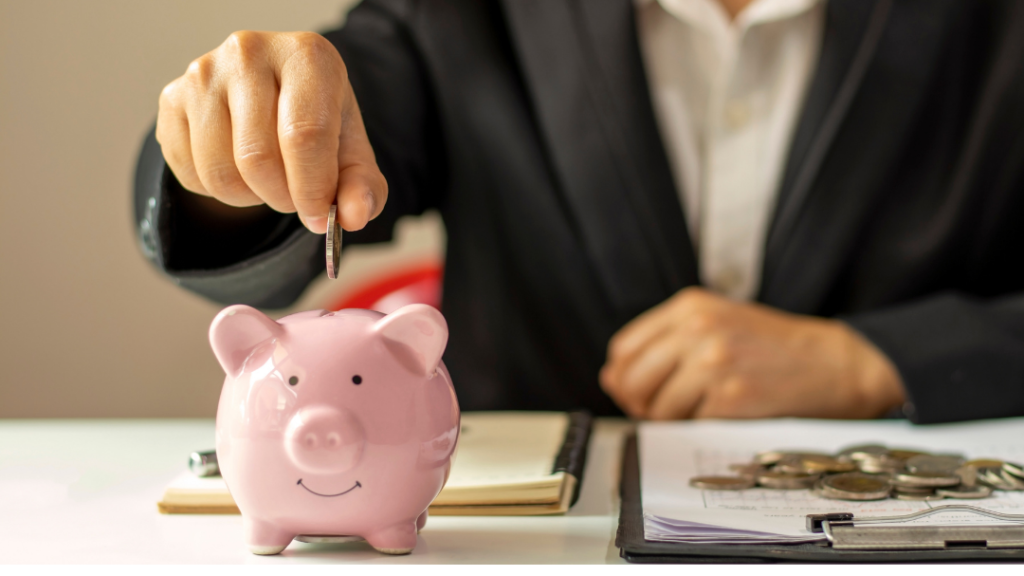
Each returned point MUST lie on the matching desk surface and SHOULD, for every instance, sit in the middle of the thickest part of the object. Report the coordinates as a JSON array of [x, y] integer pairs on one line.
[[85, 491]]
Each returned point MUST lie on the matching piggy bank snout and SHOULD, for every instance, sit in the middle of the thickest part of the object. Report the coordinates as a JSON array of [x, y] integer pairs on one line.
[[325, 440]]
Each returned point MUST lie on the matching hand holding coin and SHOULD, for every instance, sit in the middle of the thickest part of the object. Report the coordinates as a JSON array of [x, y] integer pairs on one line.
[[271, 118]]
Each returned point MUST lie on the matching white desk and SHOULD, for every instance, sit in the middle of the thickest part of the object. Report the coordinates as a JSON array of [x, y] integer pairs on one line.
[[85, 491]]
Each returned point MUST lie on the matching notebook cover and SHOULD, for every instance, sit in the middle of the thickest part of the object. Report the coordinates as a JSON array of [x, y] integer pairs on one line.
[[634, 548], [572, 458]]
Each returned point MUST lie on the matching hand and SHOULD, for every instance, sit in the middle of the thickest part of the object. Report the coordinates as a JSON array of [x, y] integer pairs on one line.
[[699, 355], [270, 117]]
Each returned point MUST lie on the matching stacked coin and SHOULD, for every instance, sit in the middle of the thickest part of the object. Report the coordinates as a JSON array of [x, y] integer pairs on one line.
[[871, 472]]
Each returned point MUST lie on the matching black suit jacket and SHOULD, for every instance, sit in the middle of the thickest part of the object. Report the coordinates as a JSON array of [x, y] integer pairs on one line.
[[528, 124]]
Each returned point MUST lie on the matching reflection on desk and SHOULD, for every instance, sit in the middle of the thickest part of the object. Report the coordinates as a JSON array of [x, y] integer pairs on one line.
[[82, 491]]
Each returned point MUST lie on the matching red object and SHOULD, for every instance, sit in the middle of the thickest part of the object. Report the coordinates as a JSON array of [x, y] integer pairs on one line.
[[387, 293]]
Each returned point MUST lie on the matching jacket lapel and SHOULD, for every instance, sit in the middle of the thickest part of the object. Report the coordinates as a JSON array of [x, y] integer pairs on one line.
[[874, 69], [581, 64]]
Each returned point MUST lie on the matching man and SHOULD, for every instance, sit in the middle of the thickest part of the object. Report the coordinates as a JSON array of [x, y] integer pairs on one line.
[[844, 177]]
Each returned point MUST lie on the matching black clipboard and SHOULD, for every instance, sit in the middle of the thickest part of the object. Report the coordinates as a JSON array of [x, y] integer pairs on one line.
[[634, 548]]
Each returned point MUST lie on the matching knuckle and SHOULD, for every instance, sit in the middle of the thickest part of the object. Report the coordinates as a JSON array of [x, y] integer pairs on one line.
[[201, 71], [241, 41], [719, 354], [223, 181], [705, 322], [256, 159], [306, 137]]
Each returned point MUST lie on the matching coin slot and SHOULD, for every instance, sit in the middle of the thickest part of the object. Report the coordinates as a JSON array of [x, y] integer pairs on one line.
[[961, 544]]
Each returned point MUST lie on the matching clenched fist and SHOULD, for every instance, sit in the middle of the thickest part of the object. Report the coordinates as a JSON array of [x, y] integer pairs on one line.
[[699, 355], [270, 117]]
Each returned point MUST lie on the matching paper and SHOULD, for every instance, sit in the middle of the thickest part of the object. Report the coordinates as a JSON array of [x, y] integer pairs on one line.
[[673, 452]]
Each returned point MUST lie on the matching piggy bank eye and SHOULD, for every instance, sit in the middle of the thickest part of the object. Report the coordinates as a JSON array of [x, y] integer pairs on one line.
[[293, 380], [357, 379]]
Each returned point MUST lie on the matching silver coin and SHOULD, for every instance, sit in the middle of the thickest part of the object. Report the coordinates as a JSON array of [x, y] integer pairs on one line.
[[855, 486], [1012, 481], [786, 481], [925, 479], [965, 492], [883, 465], [722, 482], [935, 464], [993, 477], [333, 243], [1014, 469], [863, 451]]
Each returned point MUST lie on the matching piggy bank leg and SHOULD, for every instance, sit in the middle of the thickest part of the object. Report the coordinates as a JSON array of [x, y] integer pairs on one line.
[[421, 521], [264, 538], [398, 539]]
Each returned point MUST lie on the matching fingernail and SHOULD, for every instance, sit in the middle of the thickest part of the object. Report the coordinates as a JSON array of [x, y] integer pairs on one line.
[[316, 225], [371, 205]]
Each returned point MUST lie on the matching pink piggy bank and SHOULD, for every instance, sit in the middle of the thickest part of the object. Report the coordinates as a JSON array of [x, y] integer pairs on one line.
[[334, 423]]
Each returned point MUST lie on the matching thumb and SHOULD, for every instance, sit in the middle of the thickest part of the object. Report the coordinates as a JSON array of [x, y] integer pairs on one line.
[[362, 189]]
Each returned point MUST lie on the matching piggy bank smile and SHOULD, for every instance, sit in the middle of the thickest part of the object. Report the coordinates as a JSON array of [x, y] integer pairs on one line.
[[354, 486]]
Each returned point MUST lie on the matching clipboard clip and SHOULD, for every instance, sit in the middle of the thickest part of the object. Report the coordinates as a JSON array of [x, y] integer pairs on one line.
[[845, 532]]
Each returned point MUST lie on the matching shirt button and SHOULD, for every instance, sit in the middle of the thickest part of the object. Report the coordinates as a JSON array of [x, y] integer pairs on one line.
[[736, 114]]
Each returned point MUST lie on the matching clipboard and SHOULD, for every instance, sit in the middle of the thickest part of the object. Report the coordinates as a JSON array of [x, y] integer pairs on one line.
[[634, 548]]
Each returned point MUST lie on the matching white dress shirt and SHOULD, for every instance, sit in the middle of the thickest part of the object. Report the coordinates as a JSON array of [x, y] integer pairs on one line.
[[727, 96]]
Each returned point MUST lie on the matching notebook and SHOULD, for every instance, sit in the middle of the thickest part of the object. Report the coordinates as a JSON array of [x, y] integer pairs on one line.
[[506, 464]]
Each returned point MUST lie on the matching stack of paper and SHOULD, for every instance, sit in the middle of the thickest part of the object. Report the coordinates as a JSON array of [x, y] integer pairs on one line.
[[673, 452]]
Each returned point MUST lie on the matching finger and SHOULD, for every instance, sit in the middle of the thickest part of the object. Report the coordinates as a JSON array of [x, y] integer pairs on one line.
[[648, 372], [252, 101], [362, 189], [172, 132], [681, 394], [636, 335], [210, 129], [687, 386], [309, 125]]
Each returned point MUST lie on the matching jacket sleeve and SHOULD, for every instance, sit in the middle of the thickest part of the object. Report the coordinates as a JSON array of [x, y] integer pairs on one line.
[[960, 358], [263, 258]]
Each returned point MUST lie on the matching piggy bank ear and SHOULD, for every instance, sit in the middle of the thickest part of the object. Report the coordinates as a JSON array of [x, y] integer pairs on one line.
[[416, 334], [236, 331]]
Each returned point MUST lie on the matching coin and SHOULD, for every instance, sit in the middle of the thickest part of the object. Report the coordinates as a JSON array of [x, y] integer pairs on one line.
[[965, 492], [917, 497], [984, 463], [902, 454], [1014, 469], [820, 463], [863, 451], [769, 458], [855, 486], [333, 243], [751, 469], [786, 481], [1011, 481], [925, 479], [935, 464], [968, 475], [914, 489], [721, 482]]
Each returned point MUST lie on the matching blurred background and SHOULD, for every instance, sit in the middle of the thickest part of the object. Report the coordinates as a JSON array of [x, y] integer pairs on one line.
[[89, 328]]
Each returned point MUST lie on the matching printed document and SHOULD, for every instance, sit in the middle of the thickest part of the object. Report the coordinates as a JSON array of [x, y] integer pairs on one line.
[[673, 452]]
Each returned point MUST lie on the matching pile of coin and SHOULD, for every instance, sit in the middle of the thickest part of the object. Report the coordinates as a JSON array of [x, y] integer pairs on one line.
[[871, 472]]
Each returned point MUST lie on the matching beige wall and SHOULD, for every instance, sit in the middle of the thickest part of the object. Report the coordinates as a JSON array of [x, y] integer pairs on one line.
[[89, 328]]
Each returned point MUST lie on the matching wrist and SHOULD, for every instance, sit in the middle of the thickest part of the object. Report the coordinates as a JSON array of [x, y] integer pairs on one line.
[[875, 377]]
